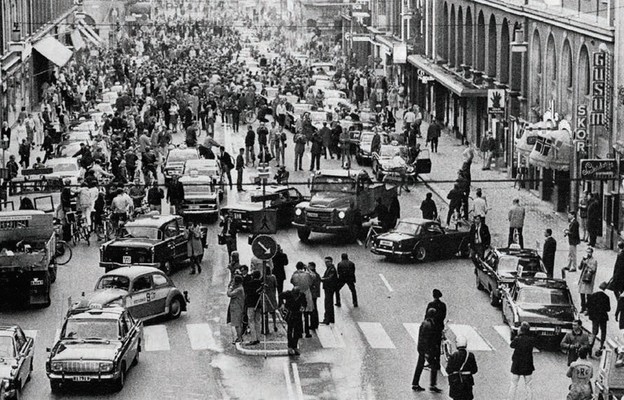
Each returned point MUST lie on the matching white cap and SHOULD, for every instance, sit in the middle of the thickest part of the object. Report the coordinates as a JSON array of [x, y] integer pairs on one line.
[[461, 341]]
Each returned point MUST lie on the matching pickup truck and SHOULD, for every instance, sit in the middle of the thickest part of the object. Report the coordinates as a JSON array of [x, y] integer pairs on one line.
[[341, 200]]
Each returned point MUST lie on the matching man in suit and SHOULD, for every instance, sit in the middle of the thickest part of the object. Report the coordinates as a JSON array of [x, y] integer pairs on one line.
[[330, 282], [480, 238], [225, 159], [616, 284], [574, 239], [240, 165], [548, 254]]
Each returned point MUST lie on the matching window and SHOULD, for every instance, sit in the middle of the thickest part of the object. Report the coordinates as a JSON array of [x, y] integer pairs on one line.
[[142, 283], [20, 340], [160, 280], [171, 229], [434, 229]]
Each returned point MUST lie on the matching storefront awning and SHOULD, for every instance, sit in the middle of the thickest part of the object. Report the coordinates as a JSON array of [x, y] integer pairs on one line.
[[53, 50], [89, 33], [446, 78], [11, 63], [386, 41]]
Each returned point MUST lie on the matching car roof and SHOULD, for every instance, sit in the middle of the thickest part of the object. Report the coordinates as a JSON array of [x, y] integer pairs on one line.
[[506, 251], [8, 330], [132, 271], [546, 283], [417, 221], [108, 312], [20, 213], [342, 172], [201, 162], [154, 221]]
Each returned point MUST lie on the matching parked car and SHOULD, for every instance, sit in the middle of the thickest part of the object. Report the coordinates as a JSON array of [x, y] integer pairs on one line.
[[364, 154], [544, 303], [389, 157], [16, 360], [95, 345], [499, 267], [175, 160], [145, 292], [421, 239]]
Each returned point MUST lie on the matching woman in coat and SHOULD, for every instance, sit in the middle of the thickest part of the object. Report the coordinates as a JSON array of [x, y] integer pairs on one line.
[[194, 246], [236, 308], [522, 361], [594, 219], [270, 300], [587, 277], [293, 302], [302, 279]]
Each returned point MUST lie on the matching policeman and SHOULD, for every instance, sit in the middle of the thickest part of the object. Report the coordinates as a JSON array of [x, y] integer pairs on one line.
[[460, 368]]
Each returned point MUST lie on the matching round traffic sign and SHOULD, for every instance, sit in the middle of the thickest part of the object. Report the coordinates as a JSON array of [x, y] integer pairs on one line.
[[264, 247]]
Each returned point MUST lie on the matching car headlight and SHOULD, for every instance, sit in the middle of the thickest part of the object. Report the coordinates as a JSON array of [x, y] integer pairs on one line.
[[106, 366], [298, 211], [56, 366], [341, 214]]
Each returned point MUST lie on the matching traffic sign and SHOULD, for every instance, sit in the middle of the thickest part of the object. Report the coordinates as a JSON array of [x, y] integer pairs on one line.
[[264, 222], [264, 247]]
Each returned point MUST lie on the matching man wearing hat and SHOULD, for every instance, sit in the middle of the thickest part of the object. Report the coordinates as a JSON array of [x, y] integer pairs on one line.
[[428, 349], [460, 368]]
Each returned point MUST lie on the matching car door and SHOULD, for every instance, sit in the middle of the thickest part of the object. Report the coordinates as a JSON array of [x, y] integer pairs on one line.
[[140, 297], [437, 241], [490, 274], [162, 286], [176, 242], [507, 299], [24, 347], [129, 337]]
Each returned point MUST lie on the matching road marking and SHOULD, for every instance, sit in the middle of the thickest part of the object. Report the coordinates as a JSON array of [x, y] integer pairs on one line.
[[376, 335], [201, 337], [329, 337], [385, 281], [156, 338], [505, 332], [412, 329], [289, 388], [476, 342], [298, 387]]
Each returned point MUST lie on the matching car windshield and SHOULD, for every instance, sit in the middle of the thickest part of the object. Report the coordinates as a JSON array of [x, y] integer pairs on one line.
[[407, 228], [145, 232], [182, 155], [7, 350], [65, 167], [197, 189], [390, 151], [82, 329], [333, 184], [366, 138], [510, 265], [543, 296], [113, 282]]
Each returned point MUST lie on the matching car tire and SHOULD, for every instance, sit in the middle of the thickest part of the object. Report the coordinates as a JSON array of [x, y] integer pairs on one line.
[[175, 308], [166, 267], [494, 301], [420, 253], [303, 234], [479, 284], [55, 386], [121, 381]]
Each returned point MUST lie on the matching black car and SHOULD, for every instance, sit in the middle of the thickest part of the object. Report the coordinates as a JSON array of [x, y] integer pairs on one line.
[[546, 304], [501, 266], [421, 239], [282, 199]]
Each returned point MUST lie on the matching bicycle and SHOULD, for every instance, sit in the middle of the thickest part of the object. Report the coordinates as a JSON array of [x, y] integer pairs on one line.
[[62, 251], [79, 230], [104, 230], [374, 231]]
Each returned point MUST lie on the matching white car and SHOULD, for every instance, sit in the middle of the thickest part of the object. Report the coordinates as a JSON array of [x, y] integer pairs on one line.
[[390, 157], [64, 168]]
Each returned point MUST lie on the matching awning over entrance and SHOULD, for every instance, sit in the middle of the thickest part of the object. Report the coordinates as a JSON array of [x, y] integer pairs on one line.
[[53, 50], [89, 34], [11, 63], [446, 78]]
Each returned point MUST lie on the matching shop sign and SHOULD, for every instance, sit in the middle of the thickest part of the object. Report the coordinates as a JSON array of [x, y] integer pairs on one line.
[[580, 135], [424, 77], [496, 101], [597, 116], [598, 168]]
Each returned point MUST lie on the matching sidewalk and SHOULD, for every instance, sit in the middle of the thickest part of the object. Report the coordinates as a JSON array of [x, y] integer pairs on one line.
[[539, 214]]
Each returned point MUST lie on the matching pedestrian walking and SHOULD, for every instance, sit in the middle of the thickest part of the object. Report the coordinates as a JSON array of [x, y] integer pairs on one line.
[[330, 283], [269, 301], [581, 373], [315, 289], [572, 232], [619, 312], [594, 219], [240, 166], [433, 134], [548, 252], [24, 153], [616, 283], [195, 249], [583, 202], [575, 340], [227, 236], [303, 280], [326, 137], [253, 287], [479, 205], [291, 303], [588, 268], [522, 362], [490, 147], [455, 196], [479, 239], [236, 308], [346, 276], [428, 207], [316, 151], [225, 159], [250, 141], [428, 350], [598, 307], [516, 223], [155, 195], [345, 148], [175, 195], [280, 260], [460, 368], [300, 142]]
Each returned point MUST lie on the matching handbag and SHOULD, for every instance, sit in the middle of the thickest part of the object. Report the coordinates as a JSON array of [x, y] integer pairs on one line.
[[588, 275]]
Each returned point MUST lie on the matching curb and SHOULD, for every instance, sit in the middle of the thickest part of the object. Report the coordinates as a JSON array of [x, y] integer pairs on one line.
[[261, 352]]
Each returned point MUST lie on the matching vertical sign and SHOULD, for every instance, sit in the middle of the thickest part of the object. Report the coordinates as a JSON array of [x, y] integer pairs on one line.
[[580, 136], [598, 108]]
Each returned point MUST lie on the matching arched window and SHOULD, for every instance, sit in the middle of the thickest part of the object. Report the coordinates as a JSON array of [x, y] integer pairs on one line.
[[584, 79], [468, 38], [551, 58], [442, 46], [492, 48], [567, 71], [480, 43], [460, 36], [452, 41], [504, 52]]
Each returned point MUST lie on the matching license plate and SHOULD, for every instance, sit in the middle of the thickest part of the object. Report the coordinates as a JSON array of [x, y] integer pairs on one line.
[[193, 207], [238, 216], [81, 378], [313, 215], [36, 282], [385, 243], [127, 260]]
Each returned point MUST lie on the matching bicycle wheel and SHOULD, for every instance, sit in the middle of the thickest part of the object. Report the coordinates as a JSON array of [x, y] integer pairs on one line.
[[63, 252], [75, 234], [85, 234]]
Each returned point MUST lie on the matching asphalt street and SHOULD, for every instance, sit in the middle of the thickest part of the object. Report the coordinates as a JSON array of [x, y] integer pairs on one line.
[[370, 353]]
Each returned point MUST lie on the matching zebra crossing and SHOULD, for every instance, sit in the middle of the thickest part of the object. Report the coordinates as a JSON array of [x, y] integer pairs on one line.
[[205, 337]]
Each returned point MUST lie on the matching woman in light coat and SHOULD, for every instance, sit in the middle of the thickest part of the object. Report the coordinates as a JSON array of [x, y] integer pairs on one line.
[[236, 308], [194, 246], [587, 277]]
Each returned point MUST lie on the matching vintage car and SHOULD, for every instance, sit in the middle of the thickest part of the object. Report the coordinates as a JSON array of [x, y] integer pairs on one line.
[[364, 154], [155, 241], [203, 189], [175, 160], [544, 303], [390, 156], [499, 267], [282, 199], [145, 292], [421, 239], [16, 360], [95, 345]]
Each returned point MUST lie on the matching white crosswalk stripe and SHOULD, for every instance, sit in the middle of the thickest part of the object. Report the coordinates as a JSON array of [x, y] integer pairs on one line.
[[376, 335], [202, 337], [156, 338], [330, 337], [476, 342]]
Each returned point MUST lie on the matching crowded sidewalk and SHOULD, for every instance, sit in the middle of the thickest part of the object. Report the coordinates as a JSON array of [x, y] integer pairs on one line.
[[499, 192]]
